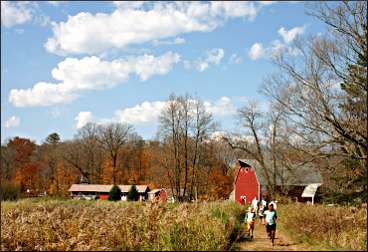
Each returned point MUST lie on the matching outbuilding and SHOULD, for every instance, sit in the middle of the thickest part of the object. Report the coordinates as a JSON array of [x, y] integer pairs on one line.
[[157, 194], [97, 191], [250, 182]]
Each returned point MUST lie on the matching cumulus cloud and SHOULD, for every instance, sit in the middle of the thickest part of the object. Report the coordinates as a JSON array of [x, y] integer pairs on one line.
[[56, 3], [256, 51], [83, 118], [213, 56], [13, 13], [148, 112], [276, 47], [141, 113], [266, 2], [290, 35], [12, 122], [131, 5], [90, 73], [95, 33], [222, 107]]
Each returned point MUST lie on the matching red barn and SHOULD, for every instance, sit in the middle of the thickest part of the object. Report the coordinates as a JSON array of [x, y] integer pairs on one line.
[[246, 183], [250, 182], [157, 194]]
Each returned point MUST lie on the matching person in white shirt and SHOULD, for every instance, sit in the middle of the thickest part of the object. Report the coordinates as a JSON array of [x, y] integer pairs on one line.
[[250, 218], [255, 204], [274, 204]]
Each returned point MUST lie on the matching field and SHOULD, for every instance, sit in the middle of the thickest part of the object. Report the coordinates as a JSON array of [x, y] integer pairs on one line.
[[83, 225], [331, 228], [44, 224]]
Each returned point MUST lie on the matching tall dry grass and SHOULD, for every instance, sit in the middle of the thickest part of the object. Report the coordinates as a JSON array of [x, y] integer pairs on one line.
[[101, 225], [327, 227]]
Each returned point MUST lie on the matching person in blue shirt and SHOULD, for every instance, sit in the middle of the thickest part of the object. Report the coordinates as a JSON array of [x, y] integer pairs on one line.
[[270, 221]]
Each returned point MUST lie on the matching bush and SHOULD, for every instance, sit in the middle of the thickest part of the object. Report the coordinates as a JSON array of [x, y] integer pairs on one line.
[[133, 193], [115, 193], [9, 192]]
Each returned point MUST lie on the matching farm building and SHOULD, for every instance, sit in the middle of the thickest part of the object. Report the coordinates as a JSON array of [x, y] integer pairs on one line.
[[157, 194], [94, 191], [299, 182]]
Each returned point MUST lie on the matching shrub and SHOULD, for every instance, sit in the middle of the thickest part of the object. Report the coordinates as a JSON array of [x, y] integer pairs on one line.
[[115, 193], [133, 193], [9, 191]]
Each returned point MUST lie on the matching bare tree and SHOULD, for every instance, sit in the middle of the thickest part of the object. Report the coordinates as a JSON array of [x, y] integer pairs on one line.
[[253, 141], [112, 137], [85, 153], [324, 90], [184, 125]]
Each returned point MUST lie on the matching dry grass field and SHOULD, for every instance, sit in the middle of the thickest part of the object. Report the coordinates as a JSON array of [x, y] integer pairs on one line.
[[44, 224], [332, 228], [101, 225]]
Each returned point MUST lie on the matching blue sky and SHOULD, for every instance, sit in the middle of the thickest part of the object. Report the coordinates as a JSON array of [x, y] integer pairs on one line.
[[64, 64]]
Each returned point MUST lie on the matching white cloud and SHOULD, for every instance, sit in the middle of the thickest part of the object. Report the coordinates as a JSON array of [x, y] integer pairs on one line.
[[141, 113], [277, 47], [214, 56], [149, 112], [90, 73], [222, 107], [131, 5], [12, 122], [235, 59], [176, 41], [93, 34], [290, 35], [266, 2], [256, 51], [83, 118], [218, 135], [13, 13], [56, 3]]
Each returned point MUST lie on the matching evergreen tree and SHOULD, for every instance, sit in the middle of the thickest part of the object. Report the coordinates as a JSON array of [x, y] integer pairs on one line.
[[133, 193], [115, 193], [53, 138]]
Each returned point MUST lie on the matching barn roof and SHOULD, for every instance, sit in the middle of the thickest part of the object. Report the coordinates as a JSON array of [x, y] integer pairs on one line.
[[104, 188], [156, 190], [298, 175]]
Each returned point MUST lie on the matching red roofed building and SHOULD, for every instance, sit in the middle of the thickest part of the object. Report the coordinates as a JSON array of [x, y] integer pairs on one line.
[[95, 191]]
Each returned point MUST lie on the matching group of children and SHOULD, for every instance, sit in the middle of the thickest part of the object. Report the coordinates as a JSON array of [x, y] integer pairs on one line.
[[267, 215]]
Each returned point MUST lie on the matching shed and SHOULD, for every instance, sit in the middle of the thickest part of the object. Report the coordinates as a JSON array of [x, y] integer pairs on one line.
[[250, 182]]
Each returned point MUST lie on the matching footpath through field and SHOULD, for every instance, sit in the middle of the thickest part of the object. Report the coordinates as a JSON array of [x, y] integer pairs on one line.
[[261, 242]]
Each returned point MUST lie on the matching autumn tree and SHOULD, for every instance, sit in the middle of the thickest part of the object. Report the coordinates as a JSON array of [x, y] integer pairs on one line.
[[51, 155], [112, 138]]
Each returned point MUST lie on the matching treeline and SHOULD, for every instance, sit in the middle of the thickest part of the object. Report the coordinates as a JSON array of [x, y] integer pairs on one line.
[[184, 158], [317, 115]]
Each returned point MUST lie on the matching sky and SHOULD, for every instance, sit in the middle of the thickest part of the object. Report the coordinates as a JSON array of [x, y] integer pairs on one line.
[[64, 64]]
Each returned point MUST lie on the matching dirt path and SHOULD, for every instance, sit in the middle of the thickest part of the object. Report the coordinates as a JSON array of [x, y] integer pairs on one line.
[[261, 242]]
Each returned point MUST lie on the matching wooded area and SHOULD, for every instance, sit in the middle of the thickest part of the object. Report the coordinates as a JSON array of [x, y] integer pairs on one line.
[[318, 115]]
